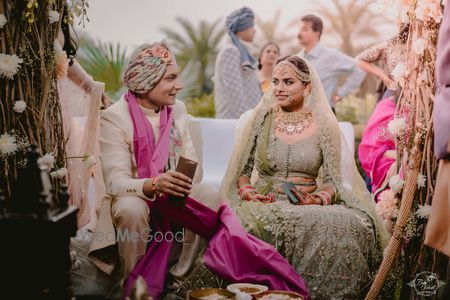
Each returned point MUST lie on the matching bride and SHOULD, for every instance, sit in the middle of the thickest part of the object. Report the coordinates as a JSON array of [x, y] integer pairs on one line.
[[332, 237]]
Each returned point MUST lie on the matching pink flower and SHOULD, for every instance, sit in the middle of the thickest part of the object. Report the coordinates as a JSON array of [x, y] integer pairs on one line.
[[387, 206]]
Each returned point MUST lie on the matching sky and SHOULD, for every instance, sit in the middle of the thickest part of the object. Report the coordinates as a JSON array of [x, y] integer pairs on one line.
[[133, 22]]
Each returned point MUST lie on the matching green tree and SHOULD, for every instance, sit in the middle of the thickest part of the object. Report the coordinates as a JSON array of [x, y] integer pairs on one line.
[[105, 62], [269, 31], [356, 24], [196, 45]]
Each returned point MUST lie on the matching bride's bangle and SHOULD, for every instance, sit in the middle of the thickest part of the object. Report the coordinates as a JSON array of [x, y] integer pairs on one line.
[[247, 193], [244, 190], [324, 196]]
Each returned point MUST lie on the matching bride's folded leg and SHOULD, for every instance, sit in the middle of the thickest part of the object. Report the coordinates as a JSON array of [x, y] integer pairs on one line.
[[331, 247]]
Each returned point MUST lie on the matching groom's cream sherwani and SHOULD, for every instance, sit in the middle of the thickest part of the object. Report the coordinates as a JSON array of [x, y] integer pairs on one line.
[[124, 210]]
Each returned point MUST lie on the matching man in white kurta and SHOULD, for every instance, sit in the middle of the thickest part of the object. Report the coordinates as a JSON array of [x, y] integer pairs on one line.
[[236, 86], [124, 214]]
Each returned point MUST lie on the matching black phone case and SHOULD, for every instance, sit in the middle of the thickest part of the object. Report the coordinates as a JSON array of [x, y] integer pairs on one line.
[[287, 190]]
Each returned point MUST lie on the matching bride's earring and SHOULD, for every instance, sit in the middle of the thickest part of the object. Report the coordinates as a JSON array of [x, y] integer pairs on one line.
[[290, 98]]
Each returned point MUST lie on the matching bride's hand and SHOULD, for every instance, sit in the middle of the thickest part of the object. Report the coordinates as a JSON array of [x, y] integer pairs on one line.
[[253, 196], [307, 198]]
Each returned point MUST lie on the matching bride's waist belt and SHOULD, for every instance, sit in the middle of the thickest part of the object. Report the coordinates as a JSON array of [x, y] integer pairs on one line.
[[273, 182]]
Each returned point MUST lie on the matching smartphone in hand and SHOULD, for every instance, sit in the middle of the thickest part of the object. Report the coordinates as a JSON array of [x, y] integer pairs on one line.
[[187, 167], [287, 187]]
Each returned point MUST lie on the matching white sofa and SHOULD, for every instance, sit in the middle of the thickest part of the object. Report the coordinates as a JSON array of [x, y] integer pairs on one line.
[[214, 140]]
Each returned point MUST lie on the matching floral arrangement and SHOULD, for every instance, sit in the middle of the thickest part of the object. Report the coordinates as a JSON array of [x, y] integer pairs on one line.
[[29, 68], [407, 201]]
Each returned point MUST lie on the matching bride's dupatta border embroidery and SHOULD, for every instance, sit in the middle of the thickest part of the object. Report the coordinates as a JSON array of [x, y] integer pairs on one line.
[[262, 152]]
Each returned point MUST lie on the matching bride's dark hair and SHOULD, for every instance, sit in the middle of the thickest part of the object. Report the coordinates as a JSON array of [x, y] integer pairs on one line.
[[299, 63]]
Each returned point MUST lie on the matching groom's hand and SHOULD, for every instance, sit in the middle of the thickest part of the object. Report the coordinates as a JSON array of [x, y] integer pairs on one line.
[[174, 183]]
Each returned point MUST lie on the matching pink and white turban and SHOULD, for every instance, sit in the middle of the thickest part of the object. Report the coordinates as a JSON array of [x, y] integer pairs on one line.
[[147, 66]]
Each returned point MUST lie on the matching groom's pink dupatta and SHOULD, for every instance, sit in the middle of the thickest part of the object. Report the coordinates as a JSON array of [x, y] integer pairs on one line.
[[151, 159], [232, 253]]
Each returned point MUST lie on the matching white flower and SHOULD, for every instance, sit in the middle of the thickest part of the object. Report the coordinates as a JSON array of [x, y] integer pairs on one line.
[[423, 77], [428, 9], [89, 161], [421, 179], [3, 21], [419, 46], [53, 16], [399, 72], [8, 144], [46, 162], [20, 106], [60, 173], [396, 183], [9, 64], [397, 126], [423, 211], [268, 228], [420, 11], [437, 15], [403, 14]]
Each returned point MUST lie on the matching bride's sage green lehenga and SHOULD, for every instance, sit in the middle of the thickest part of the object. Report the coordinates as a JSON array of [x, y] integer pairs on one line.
[[335, 248]]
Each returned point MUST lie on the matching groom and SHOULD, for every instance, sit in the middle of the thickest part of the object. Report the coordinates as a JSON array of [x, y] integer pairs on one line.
[[124, 216]]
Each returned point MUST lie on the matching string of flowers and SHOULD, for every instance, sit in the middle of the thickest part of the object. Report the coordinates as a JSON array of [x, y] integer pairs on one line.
[[57, 170], [29, 106]]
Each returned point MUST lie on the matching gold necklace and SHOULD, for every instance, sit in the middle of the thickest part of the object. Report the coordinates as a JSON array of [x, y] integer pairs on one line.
[[292, 122]]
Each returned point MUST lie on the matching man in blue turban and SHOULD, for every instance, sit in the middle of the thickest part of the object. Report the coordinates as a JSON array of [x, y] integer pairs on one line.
[[236, 86]]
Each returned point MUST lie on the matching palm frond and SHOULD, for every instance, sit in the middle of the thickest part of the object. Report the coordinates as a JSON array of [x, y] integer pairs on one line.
[[104, 62], [196, 46]]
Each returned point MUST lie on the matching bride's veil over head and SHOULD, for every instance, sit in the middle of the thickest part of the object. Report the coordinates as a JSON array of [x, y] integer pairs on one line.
[[350, 186]]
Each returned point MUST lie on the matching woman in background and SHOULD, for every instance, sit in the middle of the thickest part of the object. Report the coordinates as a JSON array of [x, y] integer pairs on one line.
[[270, 53], [377, 152]]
